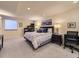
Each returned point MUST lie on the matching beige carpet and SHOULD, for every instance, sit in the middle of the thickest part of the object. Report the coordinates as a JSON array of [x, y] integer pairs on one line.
[[18, 48]]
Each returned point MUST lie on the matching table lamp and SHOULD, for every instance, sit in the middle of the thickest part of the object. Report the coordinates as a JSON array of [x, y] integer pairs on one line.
[[57, 26]]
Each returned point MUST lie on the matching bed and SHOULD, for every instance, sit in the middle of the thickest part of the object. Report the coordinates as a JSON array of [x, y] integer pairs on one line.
[[38, 39]]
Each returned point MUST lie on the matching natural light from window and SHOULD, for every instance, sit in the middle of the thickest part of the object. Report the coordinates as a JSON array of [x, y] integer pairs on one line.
[[11, 24]]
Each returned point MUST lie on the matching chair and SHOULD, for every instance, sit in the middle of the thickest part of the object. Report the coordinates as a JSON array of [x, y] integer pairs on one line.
[[70, 38]]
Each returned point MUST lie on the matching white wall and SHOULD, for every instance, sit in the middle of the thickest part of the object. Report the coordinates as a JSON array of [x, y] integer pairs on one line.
[[69, 16], [63, 19], [14, 34]]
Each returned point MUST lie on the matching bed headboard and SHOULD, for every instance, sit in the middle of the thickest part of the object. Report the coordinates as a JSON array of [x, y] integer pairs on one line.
[[49, 27]]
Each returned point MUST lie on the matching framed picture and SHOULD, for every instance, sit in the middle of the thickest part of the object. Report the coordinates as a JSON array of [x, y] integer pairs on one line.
[[71, 25], [47, 22], [20, 24]]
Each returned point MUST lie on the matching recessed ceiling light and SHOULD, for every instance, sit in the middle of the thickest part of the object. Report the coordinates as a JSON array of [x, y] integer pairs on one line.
[[28, 8], [75, 2]]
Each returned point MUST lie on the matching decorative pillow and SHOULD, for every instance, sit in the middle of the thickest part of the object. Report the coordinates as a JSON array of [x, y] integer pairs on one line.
[[49, 30], [42, 30], [45, 30]]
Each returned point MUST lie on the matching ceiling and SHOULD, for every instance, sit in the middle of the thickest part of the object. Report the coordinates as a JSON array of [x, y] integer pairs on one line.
[[40, 8]]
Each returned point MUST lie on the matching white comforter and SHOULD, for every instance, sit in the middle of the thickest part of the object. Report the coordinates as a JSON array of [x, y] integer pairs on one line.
[[37, 38]]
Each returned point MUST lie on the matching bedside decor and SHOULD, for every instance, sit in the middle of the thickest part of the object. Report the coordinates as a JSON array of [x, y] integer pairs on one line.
[[71, 25], [57, 27]]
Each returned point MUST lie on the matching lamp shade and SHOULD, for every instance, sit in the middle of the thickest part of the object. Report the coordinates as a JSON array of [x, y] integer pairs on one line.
[[57, 25], [38, 24]]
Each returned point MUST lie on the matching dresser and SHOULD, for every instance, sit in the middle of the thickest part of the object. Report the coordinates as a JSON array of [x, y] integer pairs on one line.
[[56, 39]]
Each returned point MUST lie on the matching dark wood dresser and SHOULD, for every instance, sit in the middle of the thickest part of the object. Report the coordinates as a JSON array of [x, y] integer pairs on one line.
[[56, 39]]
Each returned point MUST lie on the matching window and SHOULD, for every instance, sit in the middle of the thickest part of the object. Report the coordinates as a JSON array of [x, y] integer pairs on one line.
[[11, 24]]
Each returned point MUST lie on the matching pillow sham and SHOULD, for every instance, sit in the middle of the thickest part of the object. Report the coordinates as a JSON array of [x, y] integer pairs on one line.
[[42, 30]]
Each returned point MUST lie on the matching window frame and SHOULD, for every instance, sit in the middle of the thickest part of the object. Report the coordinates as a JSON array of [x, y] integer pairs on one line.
[[9, 29]]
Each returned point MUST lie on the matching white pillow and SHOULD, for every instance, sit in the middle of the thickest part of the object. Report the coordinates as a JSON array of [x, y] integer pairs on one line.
[[49, 30]]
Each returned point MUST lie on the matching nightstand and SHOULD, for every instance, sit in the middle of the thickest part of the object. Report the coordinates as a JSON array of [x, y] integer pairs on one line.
[[57, 39]]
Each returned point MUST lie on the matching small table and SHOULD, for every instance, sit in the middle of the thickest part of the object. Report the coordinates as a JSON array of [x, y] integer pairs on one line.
[[57, 39]]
